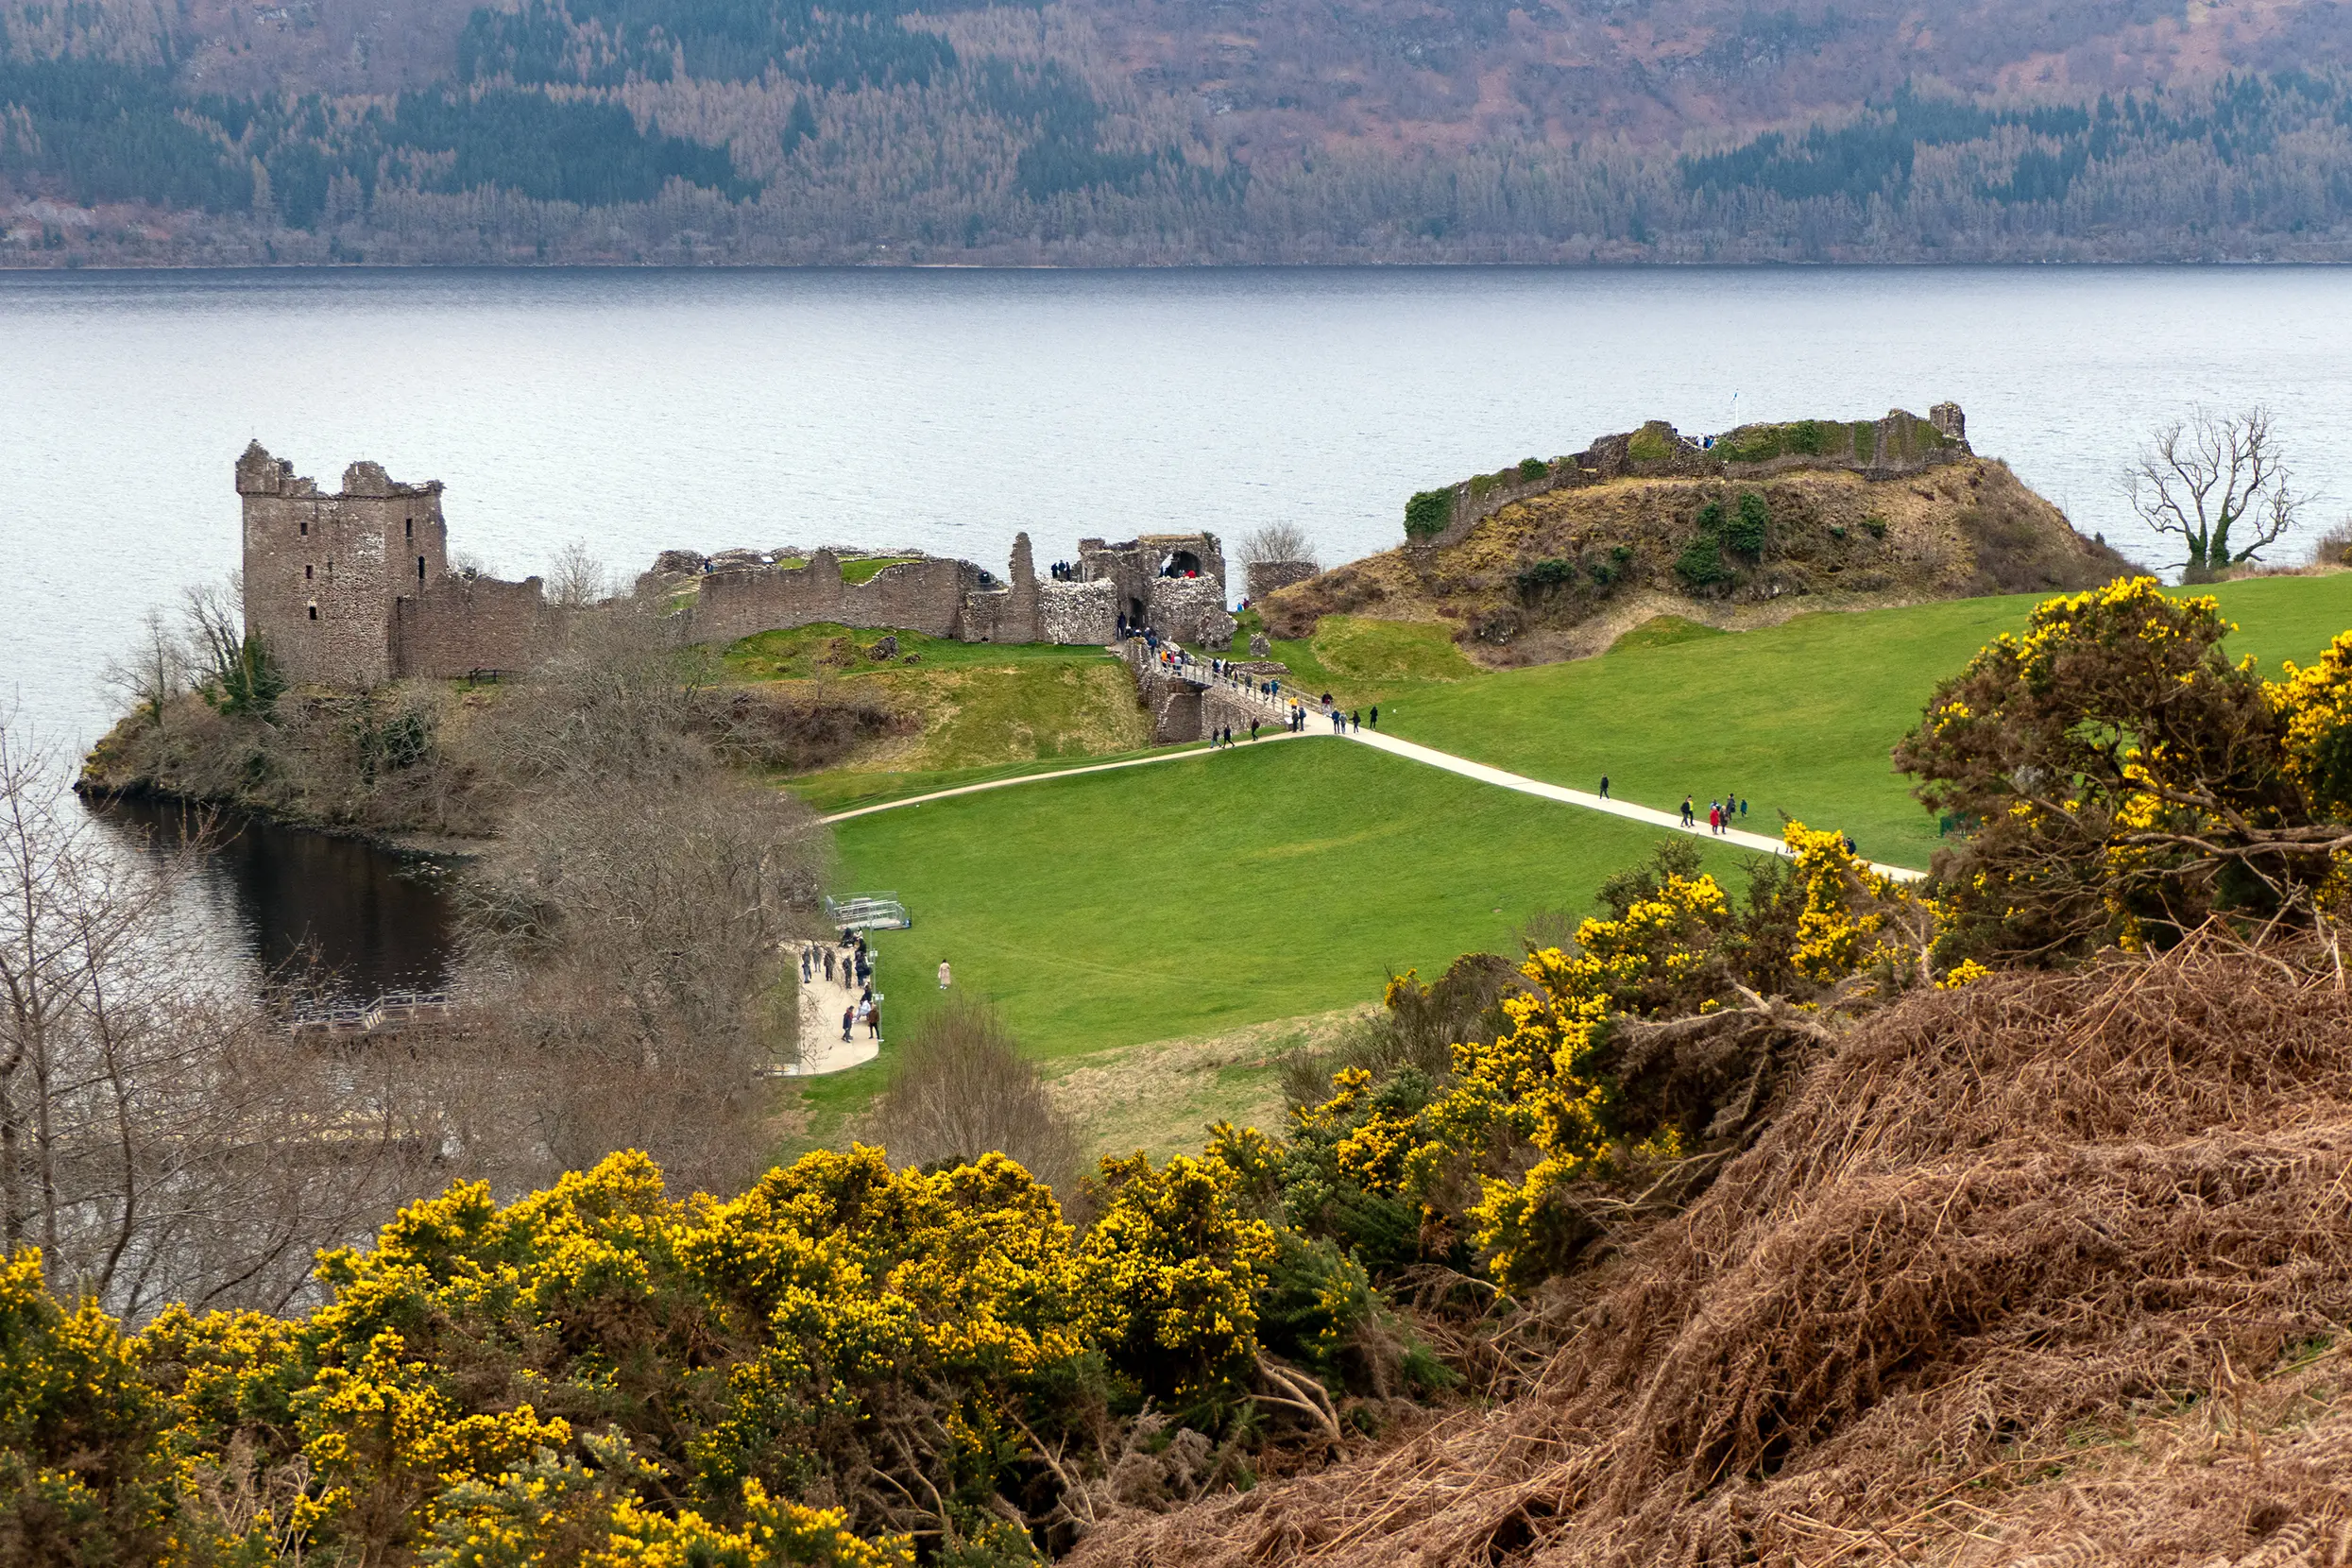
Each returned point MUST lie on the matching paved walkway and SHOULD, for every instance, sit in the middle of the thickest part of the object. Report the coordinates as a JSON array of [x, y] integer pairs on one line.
[[1279, 708], [1031, 778], [822, 1048]]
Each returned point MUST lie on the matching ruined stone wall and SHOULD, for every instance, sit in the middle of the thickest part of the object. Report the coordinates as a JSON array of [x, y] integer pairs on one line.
[[1266, 576], [1075, 614], [918, 596], [462, 626], [1191, 609]]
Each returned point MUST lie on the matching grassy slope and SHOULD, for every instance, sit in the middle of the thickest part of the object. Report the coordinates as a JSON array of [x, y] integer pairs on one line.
[[1799, 718], [987, 710], [1303, 870]]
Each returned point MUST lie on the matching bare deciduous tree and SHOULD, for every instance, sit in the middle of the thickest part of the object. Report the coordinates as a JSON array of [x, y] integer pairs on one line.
[[214, 617], [2219, 483], [962, 1089], [577, 579], [153, 672], [160, 1139], [1277, 541]]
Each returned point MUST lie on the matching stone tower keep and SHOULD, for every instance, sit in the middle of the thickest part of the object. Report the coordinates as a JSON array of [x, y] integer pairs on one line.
[[324, 575]]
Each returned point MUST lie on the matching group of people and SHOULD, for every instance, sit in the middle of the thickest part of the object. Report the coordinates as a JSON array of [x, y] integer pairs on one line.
[[1062, 572], [853, 962], [1721, 814]]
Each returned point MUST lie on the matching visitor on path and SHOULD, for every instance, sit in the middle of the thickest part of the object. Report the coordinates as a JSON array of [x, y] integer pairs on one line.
[[1687, 811], [1253, 732], [805, 963], [1604, 776], [1355, 721], [874, 1021], [1376, 715], [1715, 817], [828, 965], [849, 1016], [1743, 808], [944, 976]]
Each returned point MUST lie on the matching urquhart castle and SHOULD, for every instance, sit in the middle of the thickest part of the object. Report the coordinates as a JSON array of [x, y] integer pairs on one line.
[[355, 588]]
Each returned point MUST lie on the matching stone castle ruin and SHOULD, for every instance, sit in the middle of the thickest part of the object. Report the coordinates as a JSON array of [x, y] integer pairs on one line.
[[353, 590]]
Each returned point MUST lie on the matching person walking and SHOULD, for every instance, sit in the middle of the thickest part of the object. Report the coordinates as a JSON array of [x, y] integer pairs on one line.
[[874, 1021], [1715, 817], [1376, 715], [1253, 732], [804, 967], [1604, 786], [944, 976], [1687, 811], [828, 965], [1355, 721], [849, 1016], [1743, 808]]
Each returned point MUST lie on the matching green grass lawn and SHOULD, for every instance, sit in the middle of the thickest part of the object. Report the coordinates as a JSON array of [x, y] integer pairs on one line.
[[1798, 718], [1196, 896]]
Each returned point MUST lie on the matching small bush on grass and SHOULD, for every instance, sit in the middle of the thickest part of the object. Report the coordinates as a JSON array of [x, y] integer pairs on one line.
[[962, 1089], [1531, 469]]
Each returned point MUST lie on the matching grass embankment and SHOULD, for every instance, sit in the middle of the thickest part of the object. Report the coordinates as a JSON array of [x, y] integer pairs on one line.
[[1798, 718], [1190, 899], [986, 709]]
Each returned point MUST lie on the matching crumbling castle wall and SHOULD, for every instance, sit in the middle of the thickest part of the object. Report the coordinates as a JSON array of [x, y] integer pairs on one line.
[[917, 596], [462, 626], [1078, 614], [1266, 576]]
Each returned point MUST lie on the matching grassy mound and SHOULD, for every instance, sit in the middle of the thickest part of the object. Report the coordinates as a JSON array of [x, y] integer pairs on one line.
[[972, 708], [2019, 1267], [1560, 574]]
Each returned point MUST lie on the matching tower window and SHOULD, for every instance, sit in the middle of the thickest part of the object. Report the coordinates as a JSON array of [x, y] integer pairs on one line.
[[305, 526], [313, 612], [412, 527], [421, 568], [306, 573]]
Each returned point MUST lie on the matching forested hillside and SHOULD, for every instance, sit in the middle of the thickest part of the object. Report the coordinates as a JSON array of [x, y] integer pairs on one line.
[[1113, 132]]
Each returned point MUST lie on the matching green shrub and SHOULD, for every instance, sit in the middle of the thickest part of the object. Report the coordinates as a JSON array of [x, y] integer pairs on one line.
[[1652, 443], [1620, 556], [1480, 484], [1428, 513], [1746, 533], [1837, 529], [1602, 572], [1710, 520], [1876, 524], [1532, 468], [1701, 563], [1550, 573], [1807, 437]]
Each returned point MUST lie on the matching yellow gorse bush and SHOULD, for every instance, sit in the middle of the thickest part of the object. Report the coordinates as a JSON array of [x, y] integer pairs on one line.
[[601, 1374]]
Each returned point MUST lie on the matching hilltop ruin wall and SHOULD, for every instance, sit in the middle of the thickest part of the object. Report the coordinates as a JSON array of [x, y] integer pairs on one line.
[[1900, 443]]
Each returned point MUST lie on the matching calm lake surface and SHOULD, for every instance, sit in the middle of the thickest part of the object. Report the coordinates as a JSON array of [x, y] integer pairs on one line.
[[642, 410]]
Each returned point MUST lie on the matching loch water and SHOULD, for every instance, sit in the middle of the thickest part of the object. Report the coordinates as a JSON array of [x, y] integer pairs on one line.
[[639, 410]]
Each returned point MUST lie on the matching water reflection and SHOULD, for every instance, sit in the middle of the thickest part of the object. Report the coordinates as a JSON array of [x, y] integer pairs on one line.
[[367, 921]]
